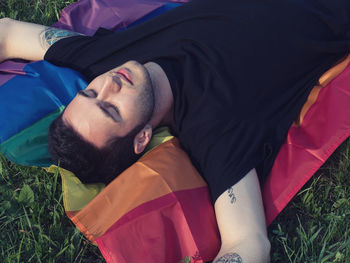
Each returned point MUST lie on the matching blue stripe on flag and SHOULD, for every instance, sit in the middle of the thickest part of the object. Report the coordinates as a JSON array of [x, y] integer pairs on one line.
[[50, 86]]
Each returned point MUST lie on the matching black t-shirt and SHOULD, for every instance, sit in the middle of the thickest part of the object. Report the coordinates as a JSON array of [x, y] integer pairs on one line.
[[240, 71]]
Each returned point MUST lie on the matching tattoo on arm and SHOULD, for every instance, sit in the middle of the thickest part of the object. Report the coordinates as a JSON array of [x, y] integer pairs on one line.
[[51, 35], [230, 258], [231, 195]]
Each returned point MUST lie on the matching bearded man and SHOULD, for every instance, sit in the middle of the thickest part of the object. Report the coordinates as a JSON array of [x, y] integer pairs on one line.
[[229, 77]]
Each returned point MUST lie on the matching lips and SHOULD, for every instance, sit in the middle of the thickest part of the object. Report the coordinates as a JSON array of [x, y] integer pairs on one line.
[[125, 74]]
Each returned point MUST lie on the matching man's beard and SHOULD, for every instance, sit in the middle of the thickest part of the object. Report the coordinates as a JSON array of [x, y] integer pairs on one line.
[[146, 100], [119, 154]]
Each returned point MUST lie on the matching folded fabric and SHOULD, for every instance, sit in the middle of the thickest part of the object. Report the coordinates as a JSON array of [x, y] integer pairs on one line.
[[323, 125], [149, 213]]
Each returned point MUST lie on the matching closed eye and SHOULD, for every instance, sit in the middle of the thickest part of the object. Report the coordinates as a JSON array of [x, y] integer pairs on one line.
[[107, 108], [89, 93]]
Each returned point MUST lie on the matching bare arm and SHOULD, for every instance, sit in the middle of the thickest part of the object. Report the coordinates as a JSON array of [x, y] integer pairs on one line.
[[241, 220], [26, 40]]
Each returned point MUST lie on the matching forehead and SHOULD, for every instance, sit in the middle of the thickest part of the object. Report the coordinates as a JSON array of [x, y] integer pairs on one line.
[[88, 120]]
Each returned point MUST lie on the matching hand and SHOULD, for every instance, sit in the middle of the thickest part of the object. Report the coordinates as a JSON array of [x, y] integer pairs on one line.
[[4, 28]]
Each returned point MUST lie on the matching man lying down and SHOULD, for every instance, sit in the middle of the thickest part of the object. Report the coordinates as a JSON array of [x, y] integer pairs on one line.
[[228, 77]]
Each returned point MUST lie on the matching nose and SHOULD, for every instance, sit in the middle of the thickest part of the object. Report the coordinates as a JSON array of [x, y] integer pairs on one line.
[[111, 84]]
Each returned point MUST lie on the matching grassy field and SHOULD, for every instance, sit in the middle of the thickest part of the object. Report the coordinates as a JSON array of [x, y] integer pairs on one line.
[[315, 226]]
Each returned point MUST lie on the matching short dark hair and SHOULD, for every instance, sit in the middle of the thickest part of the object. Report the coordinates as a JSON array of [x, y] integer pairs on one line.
[[89, 163]]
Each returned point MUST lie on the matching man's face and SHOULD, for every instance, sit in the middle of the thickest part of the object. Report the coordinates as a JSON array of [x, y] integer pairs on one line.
[[112, 105]]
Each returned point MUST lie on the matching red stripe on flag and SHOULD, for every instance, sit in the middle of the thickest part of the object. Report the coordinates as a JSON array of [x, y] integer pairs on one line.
[[168, 229]]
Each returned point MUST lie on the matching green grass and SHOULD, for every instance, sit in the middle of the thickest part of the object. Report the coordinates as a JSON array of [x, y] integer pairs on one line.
[[314, 227], [33, 225], [44, 12]]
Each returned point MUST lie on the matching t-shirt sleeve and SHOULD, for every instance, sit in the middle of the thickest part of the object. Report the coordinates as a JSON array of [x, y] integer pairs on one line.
[[235, 151], [77, 52]]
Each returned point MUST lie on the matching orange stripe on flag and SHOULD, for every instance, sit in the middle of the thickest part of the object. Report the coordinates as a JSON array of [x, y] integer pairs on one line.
[[146, 180]]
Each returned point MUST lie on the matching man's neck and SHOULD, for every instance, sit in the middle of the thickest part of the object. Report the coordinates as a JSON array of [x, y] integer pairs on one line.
[[163, 96]]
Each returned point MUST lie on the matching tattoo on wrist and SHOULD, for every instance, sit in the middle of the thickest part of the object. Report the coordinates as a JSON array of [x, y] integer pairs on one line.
[[231, 195], [51, 35], [230, 258]]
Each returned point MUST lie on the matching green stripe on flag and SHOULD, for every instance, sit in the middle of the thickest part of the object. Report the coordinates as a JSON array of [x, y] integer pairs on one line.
[[29, 147]]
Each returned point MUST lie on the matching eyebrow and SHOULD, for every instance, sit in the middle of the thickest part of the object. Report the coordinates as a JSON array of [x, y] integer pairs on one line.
[[103, 105]]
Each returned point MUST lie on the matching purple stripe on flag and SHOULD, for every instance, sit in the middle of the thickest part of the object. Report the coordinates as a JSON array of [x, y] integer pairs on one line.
[[86, 16], [9, 69]]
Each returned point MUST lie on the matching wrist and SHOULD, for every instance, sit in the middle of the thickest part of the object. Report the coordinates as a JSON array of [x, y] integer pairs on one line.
[[253, 248]]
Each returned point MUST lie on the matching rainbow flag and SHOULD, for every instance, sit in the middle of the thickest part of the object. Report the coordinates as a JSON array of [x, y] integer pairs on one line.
[[158, 210]]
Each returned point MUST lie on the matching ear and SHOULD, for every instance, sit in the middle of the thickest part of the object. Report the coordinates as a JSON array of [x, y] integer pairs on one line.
[[142, 139]]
